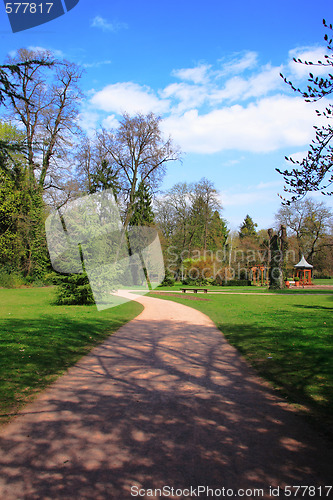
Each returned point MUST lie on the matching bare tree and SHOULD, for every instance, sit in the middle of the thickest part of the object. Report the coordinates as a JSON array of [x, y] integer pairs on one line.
[[137, 152], [205, 200], [308, 220], [47, 107]]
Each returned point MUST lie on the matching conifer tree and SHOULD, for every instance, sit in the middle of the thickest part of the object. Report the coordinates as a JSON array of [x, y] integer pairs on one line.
[[142, 214], [248, 228]]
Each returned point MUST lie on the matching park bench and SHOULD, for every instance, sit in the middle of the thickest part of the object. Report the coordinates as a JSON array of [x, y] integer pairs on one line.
[[195, 290]]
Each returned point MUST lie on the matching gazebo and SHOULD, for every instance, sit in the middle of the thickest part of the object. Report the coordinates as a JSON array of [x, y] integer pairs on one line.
[[303, 271]]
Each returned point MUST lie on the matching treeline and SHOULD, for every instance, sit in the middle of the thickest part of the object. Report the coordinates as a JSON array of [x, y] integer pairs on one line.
[[46, 161]]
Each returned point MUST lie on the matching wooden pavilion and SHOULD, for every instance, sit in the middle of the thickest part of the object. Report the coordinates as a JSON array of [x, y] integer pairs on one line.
[[259, 275], [304, 271]]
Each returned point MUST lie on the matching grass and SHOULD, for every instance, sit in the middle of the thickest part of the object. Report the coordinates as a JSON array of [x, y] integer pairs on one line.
[[288, 339], [252, 289], [39, 341], [323, 281]]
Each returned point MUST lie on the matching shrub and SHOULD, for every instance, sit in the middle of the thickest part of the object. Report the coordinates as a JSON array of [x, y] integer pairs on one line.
[[236, 283], [196, 282], [73, 289], [10, 279], [169, 280]]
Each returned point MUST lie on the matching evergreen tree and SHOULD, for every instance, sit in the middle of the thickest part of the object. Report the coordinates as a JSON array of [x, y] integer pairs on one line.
[[104, 177], [142, 214], [217, 232], [248, 228]]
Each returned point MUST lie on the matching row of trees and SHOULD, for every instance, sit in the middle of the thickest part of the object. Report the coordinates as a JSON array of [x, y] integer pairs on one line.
[[46, 161], [41, 98], [195, 235]]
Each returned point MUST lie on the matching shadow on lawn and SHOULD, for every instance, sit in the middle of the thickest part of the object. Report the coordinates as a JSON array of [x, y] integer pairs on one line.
[[33, 352], [305, 306], [161, 403], [297, 363]]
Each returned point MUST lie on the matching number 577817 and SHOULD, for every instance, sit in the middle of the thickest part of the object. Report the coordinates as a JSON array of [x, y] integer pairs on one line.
[[28, 8]]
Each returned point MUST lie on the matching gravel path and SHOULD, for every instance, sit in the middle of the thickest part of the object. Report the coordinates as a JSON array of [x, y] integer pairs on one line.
[[164, 402]]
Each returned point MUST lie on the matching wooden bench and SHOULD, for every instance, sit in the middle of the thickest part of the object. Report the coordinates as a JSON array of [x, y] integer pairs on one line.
[[195, 290]]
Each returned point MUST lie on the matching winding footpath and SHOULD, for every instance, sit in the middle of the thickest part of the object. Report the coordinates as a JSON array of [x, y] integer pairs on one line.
[[164, 402]]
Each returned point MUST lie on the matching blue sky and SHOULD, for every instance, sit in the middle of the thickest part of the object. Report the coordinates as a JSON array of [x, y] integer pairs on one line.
[[211, 70]]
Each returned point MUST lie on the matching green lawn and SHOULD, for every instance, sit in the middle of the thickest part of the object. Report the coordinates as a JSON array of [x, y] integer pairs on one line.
[[253, 289], [287, 338], [39, 341], [323, 282]]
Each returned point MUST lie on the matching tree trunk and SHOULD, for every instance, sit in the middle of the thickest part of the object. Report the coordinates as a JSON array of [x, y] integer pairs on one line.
[[277, 248]]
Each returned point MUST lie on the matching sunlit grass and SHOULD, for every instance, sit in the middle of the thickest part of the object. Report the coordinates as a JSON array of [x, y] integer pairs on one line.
[[287, 338], [39, 340]]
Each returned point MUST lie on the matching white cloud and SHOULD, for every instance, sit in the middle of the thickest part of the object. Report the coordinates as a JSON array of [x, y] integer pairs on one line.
[[197, 74], [55, 52], [268, 185], [238, 88], [88, 120], [110, 122], [234, 89], [269, 124], [130, 98], [239, 63], [105, 25], [96, 64], [189, 96], [206, 115]]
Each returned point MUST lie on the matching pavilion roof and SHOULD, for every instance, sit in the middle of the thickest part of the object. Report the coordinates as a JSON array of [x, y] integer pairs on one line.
[[303, 264]]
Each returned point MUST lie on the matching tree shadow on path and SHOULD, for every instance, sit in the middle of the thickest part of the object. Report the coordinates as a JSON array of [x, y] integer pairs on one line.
[[160, 403]]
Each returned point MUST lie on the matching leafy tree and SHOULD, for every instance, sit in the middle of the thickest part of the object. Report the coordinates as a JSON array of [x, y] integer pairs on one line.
[[314, 172], [11, 248], [22, 239], [46, 110], [248, 228], [173, 214], [12, 162]]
